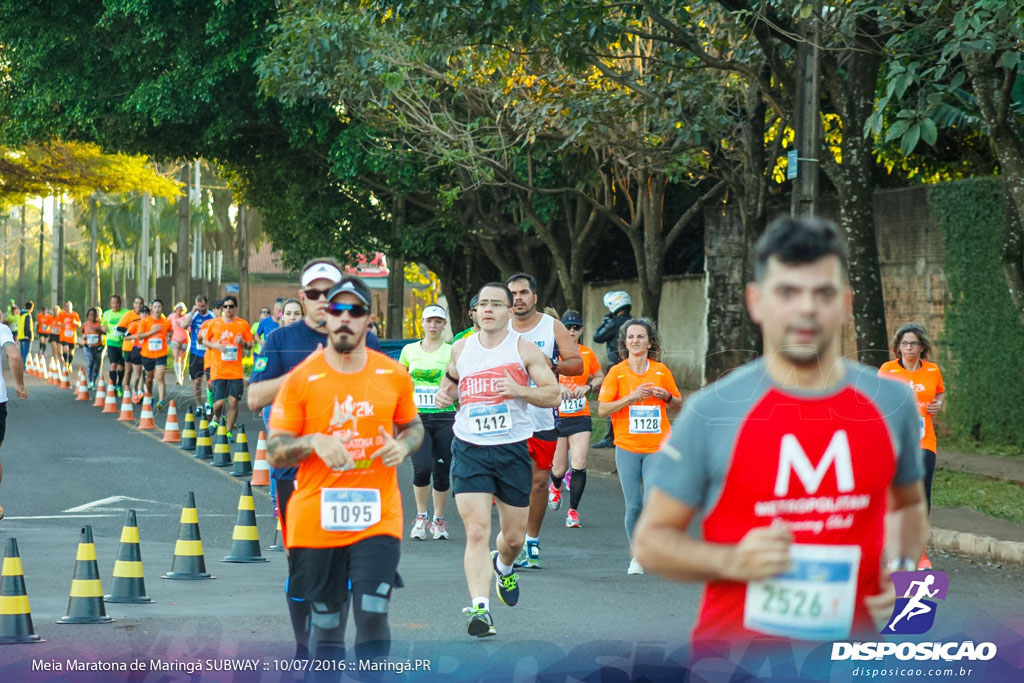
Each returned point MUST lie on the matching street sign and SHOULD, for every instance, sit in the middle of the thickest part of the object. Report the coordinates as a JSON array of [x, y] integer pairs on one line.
[[792, 162]]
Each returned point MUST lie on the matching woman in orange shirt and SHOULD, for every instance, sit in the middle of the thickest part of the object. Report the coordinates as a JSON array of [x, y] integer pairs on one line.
[[92, 342], [912, 348], [636, 393]]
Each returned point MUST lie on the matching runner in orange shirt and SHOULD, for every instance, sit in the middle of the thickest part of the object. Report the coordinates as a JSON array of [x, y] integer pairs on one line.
[[335, 417], [227, 337], [69, 324], [131, 352], [635, 394], [912, 347], [43, 322], [574, 425], [56, 323], [153, 334]]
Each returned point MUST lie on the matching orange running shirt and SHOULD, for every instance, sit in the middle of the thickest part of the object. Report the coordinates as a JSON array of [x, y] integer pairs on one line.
[[154, 346], [926, 383], [226, 364], [642, 426], [316, 398], [43, 322], [578, 407], [69, 324], [126, 320], [92, 334]]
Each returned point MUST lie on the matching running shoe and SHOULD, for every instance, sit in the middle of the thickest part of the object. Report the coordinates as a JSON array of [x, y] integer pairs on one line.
[[209, 413], [529, 556], [91, 386], [572, 519], [230, 436], [554, 497], [924, 564], [419, 528], [507, 585], [480, 623], [119, 391], [160, 406], [439, 530], [634, 567], [136, 398]]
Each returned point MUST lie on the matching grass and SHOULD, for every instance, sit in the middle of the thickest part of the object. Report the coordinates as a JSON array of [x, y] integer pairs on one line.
[[993, 497], [966, 445]]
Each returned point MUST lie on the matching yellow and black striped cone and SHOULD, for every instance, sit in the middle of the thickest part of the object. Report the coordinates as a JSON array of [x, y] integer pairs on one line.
[[85, 605], [15, 616], [221, 448], [188, 434], [278, 541], [129, 583], [189, 563], [204, 451], [245, 539], [240, 457]]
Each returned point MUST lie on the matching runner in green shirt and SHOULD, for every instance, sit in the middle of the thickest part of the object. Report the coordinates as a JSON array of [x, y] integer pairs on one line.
[[472, 315], [108, 321], [427, 361]]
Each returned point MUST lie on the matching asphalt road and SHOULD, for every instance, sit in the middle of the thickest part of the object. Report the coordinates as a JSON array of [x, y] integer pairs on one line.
[[67, 465]]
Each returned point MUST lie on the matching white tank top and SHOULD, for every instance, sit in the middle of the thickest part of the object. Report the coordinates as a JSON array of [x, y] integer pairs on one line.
[[543, 335], [485, 418]]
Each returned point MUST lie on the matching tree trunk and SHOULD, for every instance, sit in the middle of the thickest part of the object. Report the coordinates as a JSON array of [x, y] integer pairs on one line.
[[181, 259], [56, 253], [42, 228], [243, 262], [143, 276], [94, 272], [652, 194], [21, 256], [396, 271]]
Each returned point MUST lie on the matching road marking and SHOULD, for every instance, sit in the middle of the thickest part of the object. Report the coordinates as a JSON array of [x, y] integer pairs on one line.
[[58, 517], [109, 500]]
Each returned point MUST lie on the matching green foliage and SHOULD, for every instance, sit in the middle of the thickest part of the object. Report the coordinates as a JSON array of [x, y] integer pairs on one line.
[[983, 340], [994, 497]]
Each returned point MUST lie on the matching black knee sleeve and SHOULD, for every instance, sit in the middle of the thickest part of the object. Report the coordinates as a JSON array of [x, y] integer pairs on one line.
[[370, 602], [579, 482]]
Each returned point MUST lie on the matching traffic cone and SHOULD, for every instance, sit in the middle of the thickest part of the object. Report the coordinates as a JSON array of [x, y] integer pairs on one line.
[[204, 451], [110, 400], [245, 539], [51, 373], [278, 544], [221, 448], [83, 391], [261, 468], [65, 383], [188, 434], [241, 458], [171, 433], [85, 606], [101, 389], [188, 563], [15, 616], [146, 416], [127, 411], [129, 583], [30, 365]]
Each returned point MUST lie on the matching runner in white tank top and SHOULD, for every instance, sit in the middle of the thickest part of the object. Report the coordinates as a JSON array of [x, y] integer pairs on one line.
[[492, 373], [564, 357]]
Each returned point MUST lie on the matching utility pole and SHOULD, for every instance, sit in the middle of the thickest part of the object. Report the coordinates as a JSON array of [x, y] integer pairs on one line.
[[243, 262], [396, 270], [56, 250], [181, 260], [94, 271], [808, 119], [4, 250], [42, 229], [143, 276], [21, 256]]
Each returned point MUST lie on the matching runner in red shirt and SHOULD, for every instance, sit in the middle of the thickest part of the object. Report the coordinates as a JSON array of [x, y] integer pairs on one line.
[[795, 461]]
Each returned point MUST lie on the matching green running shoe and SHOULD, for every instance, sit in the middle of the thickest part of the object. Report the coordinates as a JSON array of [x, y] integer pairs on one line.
[[529, 556], [507, 585], [480, 624]]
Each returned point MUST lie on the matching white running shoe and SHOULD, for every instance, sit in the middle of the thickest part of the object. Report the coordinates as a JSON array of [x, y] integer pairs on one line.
[[419, 528], [634, 567], [439, 530]]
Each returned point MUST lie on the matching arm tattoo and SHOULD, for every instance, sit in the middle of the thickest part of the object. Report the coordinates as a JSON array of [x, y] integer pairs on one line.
[[288, 451]]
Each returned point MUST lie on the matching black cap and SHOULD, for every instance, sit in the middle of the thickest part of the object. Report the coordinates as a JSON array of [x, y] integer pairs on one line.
[[352, 285], [473, 301], [572, 317]]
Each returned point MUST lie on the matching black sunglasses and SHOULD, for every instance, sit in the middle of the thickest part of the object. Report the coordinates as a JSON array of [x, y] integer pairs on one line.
[[228, 306], [574, 327], [354, 310], [314, 293]]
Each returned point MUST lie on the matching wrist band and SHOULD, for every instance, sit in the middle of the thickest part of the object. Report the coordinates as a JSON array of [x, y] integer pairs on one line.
[[450, 378]]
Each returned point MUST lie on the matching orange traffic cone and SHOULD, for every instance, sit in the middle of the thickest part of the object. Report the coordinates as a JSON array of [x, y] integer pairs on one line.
[[51, 373], [127, 411], [83, 391], [65, 382], [30, 365], [110, 400], [146, 417], [278, 544], [85, 605], [261, 468], [15, 616], [101, 389], [171, 433]]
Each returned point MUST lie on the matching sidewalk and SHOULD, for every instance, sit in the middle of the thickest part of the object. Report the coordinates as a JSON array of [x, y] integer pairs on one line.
[[959, 529]]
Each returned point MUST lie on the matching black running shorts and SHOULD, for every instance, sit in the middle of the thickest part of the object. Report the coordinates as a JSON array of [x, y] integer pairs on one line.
[[222, 388], [135, 356], [195, 368], [114, 355], [574, 425], [323, 574], [505, 471], [3, 420]]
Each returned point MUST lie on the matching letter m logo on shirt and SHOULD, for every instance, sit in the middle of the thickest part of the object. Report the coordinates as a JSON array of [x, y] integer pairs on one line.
[[793, 458]]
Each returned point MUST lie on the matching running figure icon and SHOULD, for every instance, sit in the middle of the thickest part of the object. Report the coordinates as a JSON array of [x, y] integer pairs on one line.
[[915, 606]]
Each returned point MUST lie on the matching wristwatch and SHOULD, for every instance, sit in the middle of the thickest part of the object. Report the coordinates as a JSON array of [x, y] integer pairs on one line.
[[901, 564]]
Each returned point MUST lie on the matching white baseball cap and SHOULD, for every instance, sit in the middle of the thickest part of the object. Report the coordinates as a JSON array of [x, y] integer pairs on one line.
[[320, 270], [434, 311]]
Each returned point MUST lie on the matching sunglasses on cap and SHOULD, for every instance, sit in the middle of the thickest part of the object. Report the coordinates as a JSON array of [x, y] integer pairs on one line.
[[354, 310], [312, 293]]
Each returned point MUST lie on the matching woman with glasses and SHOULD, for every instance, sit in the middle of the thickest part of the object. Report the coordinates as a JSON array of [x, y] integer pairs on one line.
[[636, 394], [574, 426], [912, 348]]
